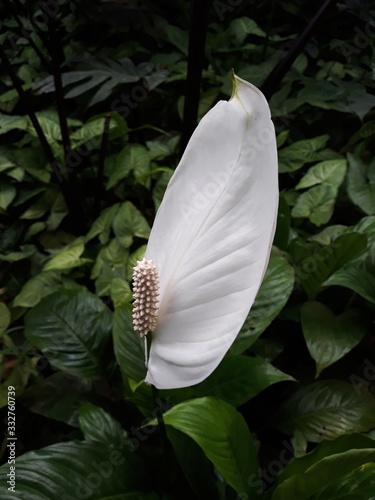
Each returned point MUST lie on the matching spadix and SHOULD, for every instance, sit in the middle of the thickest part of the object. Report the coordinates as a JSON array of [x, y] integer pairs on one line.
[[211, 238]]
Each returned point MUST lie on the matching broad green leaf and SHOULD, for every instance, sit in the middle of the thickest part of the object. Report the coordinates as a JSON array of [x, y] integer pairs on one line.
[[67, 258], [316, 204], [329, 337], [325, 449], [132, 260], [99, 426], [356, 279], [321, 474], [355, 485], [227, 443], [133, 158], [56, 397], [129, 222], [72, 328], [236, 380], [273, 294], [128, 346], [76, 470], [331, 172], [361, 184], [7, 194], [4, 318], [326, 410], [196, 467], [299, 153], [315, 264], [39, 286]]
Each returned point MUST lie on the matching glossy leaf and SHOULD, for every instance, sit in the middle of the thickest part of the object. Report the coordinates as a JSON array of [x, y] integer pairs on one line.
[[99, 426], [330, 337], [272, 296], [73, 329], [356, 279], [129, 348], [76, 470], [326, 410], [228, 443], [361, 184]]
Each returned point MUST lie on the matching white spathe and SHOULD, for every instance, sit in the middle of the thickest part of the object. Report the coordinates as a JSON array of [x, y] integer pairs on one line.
[[212, 237]]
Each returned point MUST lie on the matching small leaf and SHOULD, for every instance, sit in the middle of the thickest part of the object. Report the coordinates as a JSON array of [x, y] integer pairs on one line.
[[129, 222], [326, 410], [133, 158], [7, 195], [299, 153], [330, 337], [67, 258], [4, 318], [228, 443], [331, 172], [361, 184], [39, 286], [316, 204]]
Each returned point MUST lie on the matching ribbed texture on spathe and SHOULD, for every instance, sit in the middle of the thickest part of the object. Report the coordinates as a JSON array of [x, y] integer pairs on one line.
[[146, 292]]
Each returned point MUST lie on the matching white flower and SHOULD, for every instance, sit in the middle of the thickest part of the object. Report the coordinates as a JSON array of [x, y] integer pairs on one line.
[[212, 237]]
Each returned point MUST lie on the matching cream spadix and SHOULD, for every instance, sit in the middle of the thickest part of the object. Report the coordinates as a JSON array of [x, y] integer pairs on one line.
[[212, 237]]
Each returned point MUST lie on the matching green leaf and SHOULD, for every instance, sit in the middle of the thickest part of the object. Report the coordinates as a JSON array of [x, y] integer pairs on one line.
[[327, 409], [197, 469], [73, 329], [228, 443], [178, 38], [356, 279], [76, 470], [299, 153], [316, 204], [24, 252], [129, 222], [56, 397], [321, 474], [99, 426], [103, 224], [39, 286], [128, 346], [7, 195], [331, 172], [4, 318], [329, 337], [361, 184], [241, 27], [240, 378], [315, 264], [8, 123], [281, 238], [356, 485], [133, 158], [273, 294], [120, 292], [67, 258], [323, 450]]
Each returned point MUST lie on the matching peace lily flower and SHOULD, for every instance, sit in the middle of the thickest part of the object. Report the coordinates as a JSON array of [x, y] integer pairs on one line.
[[210, 243]]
